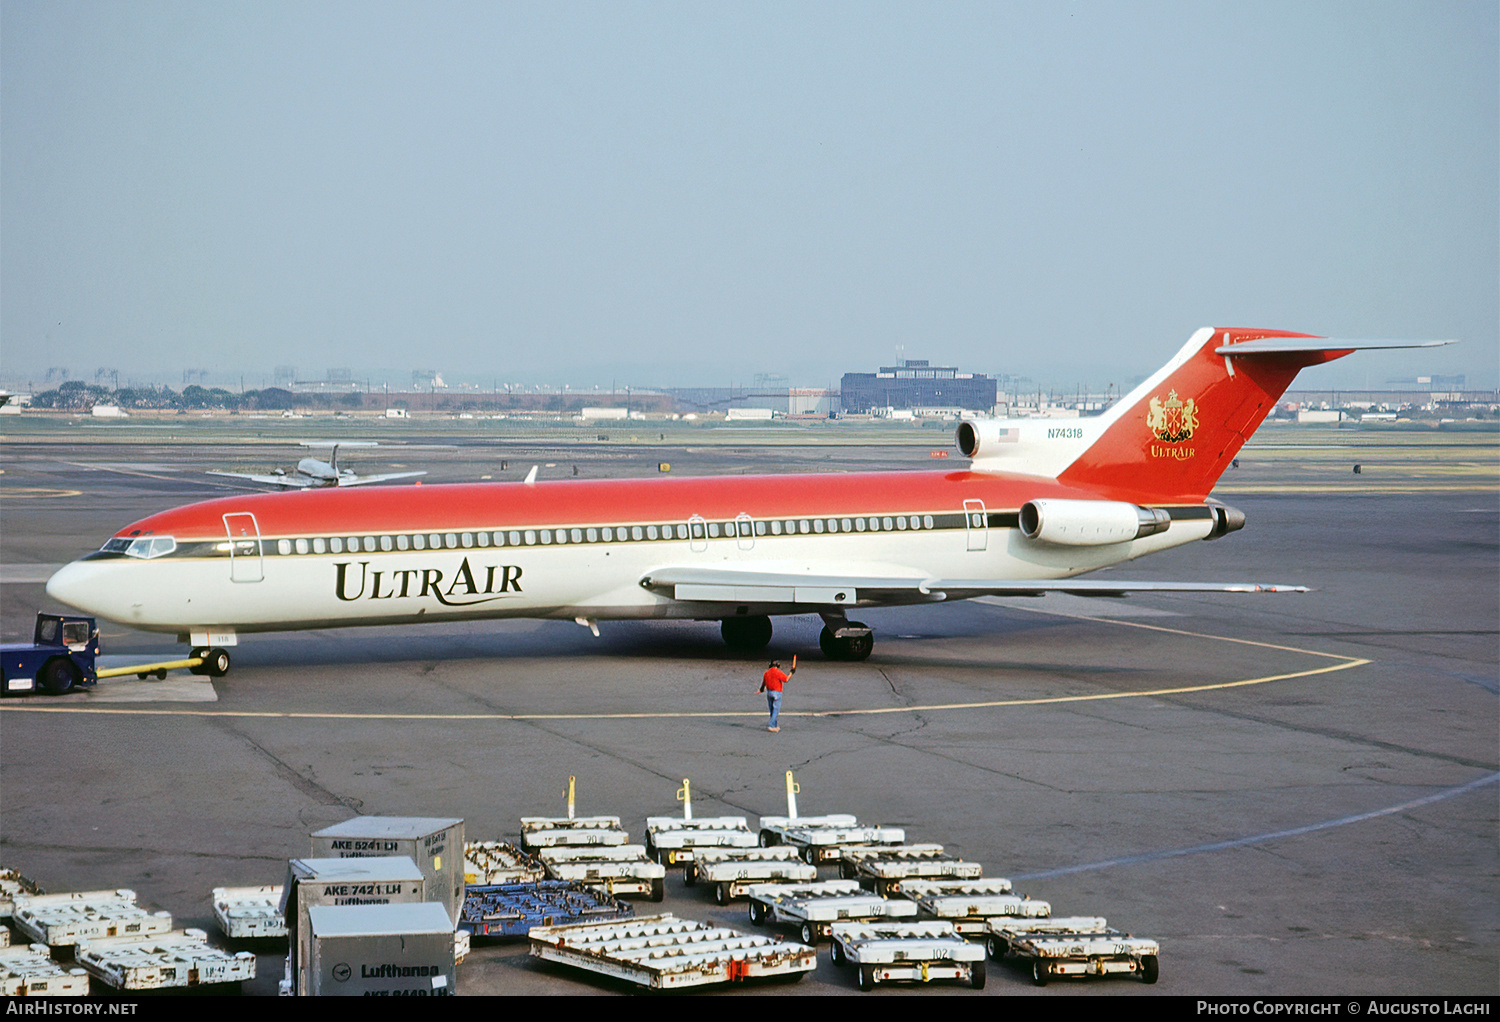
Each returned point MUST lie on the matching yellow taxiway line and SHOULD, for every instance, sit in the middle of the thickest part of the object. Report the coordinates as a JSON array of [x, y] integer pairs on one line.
[[1344, 664]]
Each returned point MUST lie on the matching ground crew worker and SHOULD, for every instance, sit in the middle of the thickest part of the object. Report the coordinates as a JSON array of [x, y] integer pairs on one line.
[[771, 684]]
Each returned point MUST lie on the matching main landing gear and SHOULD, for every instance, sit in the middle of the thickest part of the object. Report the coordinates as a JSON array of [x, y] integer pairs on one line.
[[841, 638], [746, 634], [215, 661]]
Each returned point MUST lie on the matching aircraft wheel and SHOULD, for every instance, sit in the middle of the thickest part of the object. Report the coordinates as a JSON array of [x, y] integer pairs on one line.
[[859, 647], [1149, 969], [746, 634], [57, 676], [828, 644], [216, 663], [198, 653]]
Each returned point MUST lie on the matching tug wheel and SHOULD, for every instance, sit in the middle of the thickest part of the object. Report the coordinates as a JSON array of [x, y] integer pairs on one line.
[[57, 676]]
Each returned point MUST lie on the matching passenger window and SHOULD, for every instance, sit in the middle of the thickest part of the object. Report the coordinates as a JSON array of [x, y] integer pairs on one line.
[[467, 539], [336, 544], [593, 535], [319, 546], [635, 532], [651, 532], [402, 542], [419, 542], [283, 546], [301, 545]]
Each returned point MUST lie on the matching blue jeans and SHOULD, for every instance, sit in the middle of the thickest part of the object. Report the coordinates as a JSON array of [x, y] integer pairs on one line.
[[773, 700]]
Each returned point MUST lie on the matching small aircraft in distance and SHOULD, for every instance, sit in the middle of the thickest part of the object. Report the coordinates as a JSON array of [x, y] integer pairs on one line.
[[312, 472]]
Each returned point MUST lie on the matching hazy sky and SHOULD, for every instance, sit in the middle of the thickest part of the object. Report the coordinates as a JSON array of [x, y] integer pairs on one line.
[[693, 193]]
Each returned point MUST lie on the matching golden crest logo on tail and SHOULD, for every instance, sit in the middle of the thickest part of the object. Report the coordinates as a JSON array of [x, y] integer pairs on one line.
[[1173, 421]]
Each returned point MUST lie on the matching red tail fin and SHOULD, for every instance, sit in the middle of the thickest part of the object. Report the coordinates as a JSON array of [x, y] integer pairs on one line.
[[1173, 436]]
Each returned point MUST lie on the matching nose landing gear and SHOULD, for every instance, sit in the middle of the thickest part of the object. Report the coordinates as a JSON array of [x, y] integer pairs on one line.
[[215, 661]]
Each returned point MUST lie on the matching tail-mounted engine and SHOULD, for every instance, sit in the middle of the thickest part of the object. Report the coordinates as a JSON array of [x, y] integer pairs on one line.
[[1090, 522], [1226, 520]]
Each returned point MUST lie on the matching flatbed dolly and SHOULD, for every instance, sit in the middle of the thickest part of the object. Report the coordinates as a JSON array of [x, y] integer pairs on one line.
[[573, 831], [674, 841], [250, 913], [622, 869], [1075, 946], [181, 958], [29, 971], [663, 952], [973, 906], [912, 952], [512, 910], [733, 871], [813, 908], [821, 838], [495, 862], [61, 920], [13, 883], [885, 869]]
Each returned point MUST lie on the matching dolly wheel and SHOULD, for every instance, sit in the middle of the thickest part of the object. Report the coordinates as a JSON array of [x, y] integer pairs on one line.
[[866, 977], [1149, 969], [976, 974], [1039, 972]]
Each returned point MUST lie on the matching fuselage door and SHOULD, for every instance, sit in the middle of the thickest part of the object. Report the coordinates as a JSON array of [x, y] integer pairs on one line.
[[976, 524], [246, 564]]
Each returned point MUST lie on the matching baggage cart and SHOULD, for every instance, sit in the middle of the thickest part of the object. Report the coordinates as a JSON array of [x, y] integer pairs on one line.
[[538, 832], [487, 863], [884, 869], [13, 883], [971, 905], [923, 952], [180, 958], [664, 952], [675, 841], [436, 845], [511, 910], [733, 871], [821, 838], [29, 971], [60, 920], [1074, 946], [623, 869], [250, 913], [813, 908]]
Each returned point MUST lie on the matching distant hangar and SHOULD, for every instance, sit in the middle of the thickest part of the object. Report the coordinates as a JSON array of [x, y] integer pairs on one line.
[[912, 383]]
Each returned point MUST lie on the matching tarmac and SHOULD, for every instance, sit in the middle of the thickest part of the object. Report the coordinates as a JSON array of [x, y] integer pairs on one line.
[[1294, 794]]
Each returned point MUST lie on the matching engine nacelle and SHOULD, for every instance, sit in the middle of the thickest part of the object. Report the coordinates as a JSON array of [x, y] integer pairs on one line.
[[1089, 522], [1226, 520], [978, 435]]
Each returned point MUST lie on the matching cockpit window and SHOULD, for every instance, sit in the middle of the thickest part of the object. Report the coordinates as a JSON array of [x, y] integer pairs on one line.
[[145, 547]]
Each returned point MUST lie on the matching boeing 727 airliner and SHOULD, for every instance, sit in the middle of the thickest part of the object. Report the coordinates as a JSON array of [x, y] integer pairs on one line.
[[1042, 502]]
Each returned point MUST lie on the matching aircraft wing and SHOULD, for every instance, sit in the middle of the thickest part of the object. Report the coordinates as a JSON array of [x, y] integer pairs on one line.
[[366, 480], [291, 482], [729, 585]]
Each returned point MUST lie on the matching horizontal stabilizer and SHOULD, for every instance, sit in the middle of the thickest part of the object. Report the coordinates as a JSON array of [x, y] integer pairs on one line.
[[1288, 345]]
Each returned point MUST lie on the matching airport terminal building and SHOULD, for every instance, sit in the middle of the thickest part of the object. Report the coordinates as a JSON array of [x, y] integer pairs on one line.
[[913, 383]]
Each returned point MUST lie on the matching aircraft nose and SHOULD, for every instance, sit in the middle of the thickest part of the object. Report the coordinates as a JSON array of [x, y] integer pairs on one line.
[[76, 585]]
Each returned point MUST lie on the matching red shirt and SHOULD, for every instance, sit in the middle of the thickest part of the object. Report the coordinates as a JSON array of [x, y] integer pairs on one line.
[[773, 680]]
